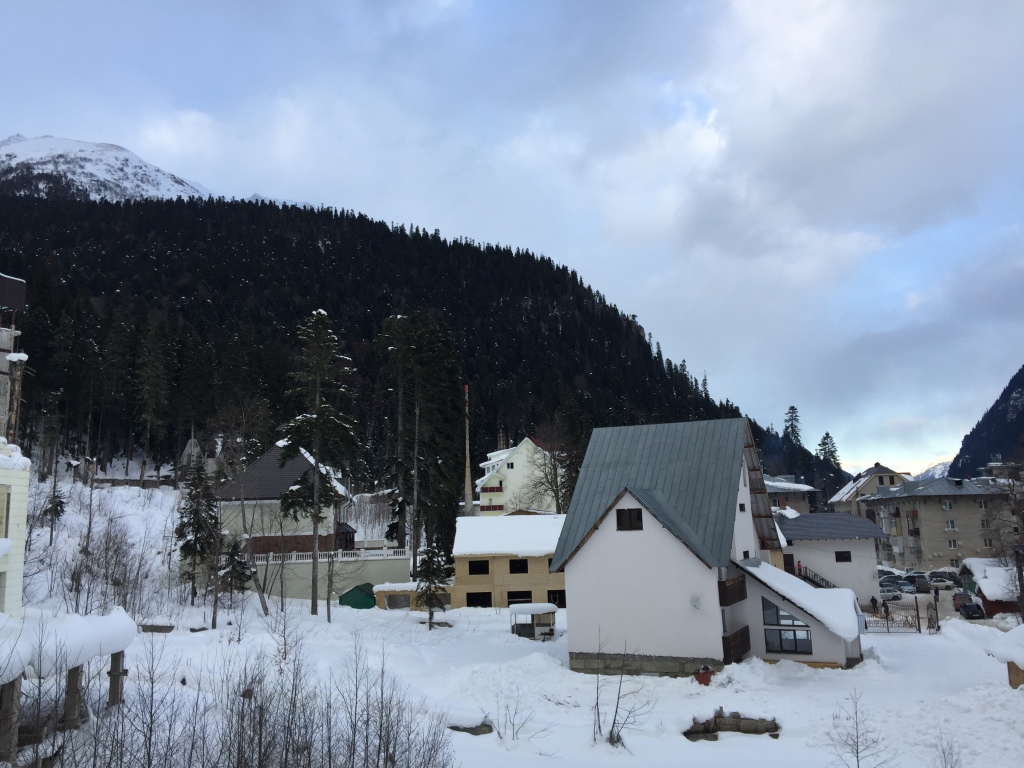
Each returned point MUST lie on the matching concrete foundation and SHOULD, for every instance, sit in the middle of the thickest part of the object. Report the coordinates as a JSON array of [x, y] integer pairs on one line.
[[637, 664]]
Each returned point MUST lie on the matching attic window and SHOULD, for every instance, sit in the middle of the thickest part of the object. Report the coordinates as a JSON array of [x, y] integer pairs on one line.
[[743, 507], [892, 480], [629, 519], [511, 465]]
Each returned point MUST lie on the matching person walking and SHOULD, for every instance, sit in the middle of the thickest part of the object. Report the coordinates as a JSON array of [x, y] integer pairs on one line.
[[874, 604]]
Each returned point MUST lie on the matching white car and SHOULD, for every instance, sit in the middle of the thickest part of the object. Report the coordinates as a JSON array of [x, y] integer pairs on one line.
[[889, 593]]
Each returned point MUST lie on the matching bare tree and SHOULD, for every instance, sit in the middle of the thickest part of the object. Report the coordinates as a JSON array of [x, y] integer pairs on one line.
[[854, 739], [947, 752]]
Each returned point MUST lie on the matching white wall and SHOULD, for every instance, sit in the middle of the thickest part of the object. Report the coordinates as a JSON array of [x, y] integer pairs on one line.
[[14, 484], [515, 481], [634, 587], [826, 646], [296, 577], [744, 538], [264, 519], [860, 574]]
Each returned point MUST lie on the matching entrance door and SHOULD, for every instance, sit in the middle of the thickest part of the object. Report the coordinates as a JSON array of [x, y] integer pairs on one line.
[[789, 564]]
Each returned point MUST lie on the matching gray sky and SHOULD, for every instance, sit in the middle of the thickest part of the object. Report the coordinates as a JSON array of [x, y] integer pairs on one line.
[[817, 203]]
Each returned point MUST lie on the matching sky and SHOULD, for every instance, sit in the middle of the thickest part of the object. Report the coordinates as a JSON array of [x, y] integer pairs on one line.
[[817, 204]]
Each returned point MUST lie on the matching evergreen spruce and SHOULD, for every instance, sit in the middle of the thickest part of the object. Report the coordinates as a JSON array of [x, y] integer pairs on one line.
[[324, 431], [198, 525], [236, 571], [432, 584]]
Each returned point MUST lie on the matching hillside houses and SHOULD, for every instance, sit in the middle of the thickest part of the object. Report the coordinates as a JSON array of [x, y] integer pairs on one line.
[[871, 481]]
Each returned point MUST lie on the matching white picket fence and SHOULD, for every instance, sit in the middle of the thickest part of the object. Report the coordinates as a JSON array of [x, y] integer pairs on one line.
[[338, 555]]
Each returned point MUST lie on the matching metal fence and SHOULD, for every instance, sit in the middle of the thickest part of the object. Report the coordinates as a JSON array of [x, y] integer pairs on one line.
[[895, 617]]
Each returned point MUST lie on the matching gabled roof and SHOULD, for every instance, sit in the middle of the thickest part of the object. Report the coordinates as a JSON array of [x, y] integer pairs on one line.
[[520, 535], [265, 479], [686, 474], [848, 491], [828, 525]]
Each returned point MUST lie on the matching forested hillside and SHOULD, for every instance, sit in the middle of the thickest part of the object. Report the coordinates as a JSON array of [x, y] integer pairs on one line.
[[167, 315], [998, 435]]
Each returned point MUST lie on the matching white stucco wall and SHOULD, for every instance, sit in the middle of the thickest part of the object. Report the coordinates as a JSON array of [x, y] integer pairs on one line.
[[264, 519], [635, 589], [296, 577], [515, 480], [860, 574], [826, 646], [14, 497], [744, 538]]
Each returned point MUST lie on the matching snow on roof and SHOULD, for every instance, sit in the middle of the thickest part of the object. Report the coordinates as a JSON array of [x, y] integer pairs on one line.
[[11, 458], [405, 586], [522, 535], [835, 608], [46, 645], [993, 579], [787, 512], [773, 483], [783, 542], [1009, 647], [531, 609]]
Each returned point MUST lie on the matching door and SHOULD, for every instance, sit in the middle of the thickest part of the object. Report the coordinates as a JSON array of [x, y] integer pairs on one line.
[[789, 564]]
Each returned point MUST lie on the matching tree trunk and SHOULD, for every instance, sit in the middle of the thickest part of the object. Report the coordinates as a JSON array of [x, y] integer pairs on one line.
[[314, 571], [416, 522], [145, 455]]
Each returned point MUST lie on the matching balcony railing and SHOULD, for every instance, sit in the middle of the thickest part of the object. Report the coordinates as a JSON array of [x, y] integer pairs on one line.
[[339, 555], [732, 591], [492, 489], [735, 645], [492, 507]]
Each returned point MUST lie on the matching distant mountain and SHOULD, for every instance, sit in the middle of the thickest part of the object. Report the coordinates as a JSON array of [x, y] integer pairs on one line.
[[93, 170], [934, 472], [998, 436]]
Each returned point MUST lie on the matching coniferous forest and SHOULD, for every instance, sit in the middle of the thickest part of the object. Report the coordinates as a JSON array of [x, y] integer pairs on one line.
[[149, 320]]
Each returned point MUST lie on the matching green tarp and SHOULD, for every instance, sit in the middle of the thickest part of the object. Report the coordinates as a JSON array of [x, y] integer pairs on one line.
[[360, 596]]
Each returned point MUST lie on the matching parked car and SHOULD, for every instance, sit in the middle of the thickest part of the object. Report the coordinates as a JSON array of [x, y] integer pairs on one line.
[[920, 582], [961, 598], [889, 593], [906, 587], [972, 611], [941, 582], [891, 580], [948, 576]]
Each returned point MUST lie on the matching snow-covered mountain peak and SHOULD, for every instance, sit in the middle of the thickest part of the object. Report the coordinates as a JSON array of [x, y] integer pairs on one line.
[[934, 472], [105, 170]]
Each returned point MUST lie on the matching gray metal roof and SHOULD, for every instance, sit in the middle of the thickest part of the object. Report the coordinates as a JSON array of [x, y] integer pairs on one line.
[[265, 479], [684, 474], [941, 486], [828, 525]]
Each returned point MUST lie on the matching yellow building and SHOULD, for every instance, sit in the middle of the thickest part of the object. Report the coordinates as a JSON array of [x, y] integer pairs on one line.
[[501, 561]]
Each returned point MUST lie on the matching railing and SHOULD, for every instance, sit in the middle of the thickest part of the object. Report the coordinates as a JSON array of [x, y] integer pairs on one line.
[[492, 507], [341, 554], [735, 645], [492, 489], [732, 591], [816, 579]]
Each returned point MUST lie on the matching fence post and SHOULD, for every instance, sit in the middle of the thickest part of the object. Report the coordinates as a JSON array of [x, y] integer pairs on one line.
[[117, 674], [73, 698]]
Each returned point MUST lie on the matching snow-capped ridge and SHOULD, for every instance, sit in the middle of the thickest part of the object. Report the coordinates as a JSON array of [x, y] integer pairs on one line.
[[103, 169]]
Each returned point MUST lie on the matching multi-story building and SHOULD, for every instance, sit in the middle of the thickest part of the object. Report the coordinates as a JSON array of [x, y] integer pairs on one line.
[[871, 481], [14, 472], [784, 491], [938, 523], [513, 480]]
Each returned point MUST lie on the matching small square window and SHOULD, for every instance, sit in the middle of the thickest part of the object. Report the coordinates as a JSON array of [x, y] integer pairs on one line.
[[986, 524], [743, 507], [518, 565], [629, 519], [988, 543], [952, 543], [557, 596], [954, 563], [947, 504], [951, 525], [844, 556], [479, 567], [511, 465], [982, 503]]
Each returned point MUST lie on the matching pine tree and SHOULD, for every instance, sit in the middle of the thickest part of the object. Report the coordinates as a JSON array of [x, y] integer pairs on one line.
[[236, 571], [153, 391], [791, 430], [827, 450], [55, 506], [432, 584], [325, 431], [198, 524]]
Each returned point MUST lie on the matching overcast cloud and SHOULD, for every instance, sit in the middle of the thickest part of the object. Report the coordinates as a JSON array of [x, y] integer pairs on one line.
[[817, 203]]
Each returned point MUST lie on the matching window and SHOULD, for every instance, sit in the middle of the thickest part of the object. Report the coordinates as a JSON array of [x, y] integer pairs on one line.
[[787, 640], [557, 596], [954, 563], [982, 503], [746, 554], [881, 480], [947, 504], [743, 507], [479, 567], [844, 556], [988, 543], [892, 480], [952, 543], [774, 615], [478, 599], [775, 503], [511, 465], [986, 524], [518, 565], [522, 596], [951, 525], [629, 519]]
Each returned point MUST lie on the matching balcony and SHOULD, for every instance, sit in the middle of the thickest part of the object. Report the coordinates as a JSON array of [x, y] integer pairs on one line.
[[492, 507], [492, 489], [914, 533], [734, 646], [732, 591]]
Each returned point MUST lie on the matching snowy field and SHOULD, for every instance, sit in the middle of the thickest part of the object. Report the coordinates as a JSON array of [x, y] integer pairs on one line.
[[912, 687]]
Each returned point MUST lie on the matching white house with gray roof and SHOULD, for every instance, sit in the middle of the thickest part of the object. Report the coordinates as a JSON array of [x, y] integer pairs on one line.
[[832, 549], [665, 549]]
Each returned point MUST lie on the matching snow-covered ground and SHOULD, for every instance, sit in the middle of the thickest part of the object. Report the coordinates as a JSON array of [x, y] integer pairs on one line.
[[913, 687]]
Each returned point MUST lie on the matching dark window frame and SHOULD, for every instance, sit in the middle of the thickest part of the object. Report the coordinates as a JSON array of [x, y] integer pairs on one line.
[[629, 519], [476, 600], [474, 567], [844, 556], [795, 641], [518, 565], [518, 596]]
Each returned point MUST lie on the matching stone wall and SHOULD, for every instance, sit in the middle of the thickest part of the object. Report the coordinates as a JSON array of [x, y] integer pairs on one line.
[[637, 664]]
